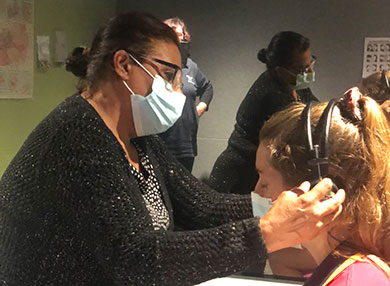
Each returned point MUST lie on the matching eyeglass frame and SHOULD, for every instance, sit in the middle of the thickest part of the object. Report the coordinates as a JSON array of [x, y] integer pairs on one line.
[[177, 70], [306, 70]]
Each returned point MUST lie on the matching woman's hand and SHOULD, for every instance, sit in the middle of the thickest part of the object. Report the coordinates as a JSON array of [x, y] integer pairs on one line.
[[294, 219]]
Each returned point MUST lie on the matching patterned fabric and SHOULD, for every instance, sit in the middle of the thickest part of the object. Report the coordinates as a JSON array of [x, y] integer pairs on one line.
[[150, 189], [72, 213]]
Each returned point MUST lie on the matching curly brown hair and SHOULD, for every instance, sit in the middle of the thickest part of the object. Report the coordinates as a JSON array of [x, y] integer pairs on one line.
[[359, 162], [376, 86]]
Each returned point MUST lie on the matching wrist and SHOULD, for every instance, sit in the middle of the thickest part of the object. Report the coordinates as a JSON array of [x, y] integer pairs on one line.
[[266, 232], [265, 229]]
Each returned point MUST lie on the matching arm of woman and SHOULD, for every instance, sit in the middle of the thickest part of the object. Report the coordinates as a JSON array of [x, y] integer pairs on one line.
[[204, 92], [128, 247], [194, 203]]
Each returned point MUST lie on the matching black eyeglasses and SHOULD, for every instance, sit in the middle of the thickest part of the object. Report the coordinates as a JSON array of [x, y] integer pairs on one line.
[[306, 69], [173, 77]]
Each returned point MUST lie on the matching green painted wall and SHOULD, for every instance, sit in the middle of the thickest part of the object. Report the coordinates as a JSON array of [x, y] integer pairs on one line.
[[79, 19]]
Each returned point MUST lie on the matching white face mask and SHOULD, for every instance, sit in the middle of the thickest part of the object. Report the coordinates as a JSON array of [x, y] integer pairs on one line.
[[159, 110], [304, 80], [260, 205]]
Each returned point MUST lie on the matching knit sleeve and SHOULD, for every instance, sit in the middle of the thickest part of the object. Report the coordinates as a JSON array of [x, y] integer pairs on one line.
[[72, 214], [113, 225], [132, 252], [224, 237]]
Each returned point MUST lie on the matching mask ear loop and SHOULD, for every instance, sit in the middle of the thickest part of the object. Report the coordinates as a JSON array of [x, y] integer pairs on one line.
[[128, 87], [141, 65]]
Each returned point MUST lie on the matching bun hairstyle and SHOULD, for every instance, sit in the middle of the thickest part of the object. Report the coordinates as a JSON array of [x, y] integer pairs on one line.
[[282, 48], [132, 32], [262, 56], [359, 148], [77, 62]]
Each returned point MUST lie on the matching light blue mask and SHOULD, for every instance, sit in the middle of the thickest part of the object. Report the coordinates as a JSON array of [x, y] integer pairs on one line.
[[304, 80], [159, 110], [260, 205]]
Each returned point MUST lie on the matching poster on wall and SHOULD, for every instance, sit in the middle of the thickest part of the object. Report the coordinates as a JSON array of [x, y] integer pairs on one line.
[[376, 55], [16, 48]]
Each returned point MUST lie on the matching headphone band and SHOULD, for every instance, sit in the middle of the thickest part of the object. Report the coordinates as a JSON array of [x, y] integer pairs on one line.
[[319, 150]]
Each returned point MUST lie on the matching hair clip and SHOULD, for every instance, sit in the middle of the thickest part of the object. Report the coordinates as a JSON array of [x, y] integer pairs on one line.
[[349, 106]]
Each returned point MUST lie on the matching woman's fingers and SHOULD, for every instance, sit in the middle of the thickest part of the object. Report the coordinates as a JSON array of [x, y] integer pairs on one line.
[[319, 191]]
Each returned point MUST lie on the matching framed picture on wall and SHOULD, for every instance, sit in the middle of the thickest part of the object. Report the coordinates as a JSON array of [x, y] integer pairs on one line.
[[376, 55], [17, 46]]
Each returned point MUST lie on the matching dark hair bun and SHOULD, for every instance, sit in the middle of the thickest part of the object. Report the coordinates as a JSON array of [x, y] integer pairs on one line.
[[77, 62], [262, 56]]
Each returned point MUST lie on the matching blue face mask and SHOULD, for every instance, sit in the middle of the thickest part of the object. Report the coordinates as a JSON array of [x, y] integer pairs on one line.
[[260, 205], [304, 80], [159, 110]]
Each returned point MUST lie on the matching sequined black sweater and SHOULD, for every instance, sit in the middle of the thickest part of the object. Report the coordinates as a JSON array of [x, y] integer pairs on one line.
[[234, 170], [71, 213]]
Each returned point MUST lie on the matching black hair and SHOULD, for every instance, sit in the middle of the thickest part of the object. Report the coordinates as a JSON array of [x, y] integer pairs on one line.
[[77, 61], [282, 48], [133, 32]]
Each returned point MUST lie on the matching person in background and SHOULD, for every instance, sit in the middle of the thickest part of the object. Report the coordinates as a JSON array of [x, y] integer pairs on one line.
[[289, 73], [93, 196], [181, 138], [355, 249]]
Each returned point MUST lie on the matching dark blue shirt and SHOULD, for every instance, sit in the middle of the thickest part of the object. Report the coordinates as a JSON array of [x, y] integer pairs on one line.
[[181, 137]]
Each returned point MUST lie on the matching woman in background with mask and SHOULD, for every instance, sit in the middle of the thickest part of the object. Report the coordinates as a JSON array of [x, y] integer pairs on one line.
[[93, 196], [181, 138], [289, 72], [355, 249]]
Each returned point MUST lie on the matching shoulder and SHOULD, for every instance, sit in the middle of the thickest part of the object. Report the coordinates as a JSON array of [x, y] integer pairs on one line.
[[267, 85], [74, 119], [192, 64], [361, 273], [72, 128]]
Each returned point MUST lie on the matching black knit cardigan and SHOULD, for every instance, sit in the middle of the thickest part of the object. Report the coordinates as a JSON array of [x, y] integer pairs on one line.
[[71, 213]]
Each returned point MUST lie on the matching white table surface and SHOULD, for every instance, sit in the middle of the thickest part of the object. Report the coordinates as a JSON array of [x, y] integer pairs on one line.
[[234, 281]]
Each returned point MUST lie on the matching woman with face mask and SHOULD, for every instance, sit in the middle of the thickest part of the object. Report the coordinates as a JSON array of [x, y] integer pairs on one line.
[[351, 141], [289, 73], [93, 195]]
